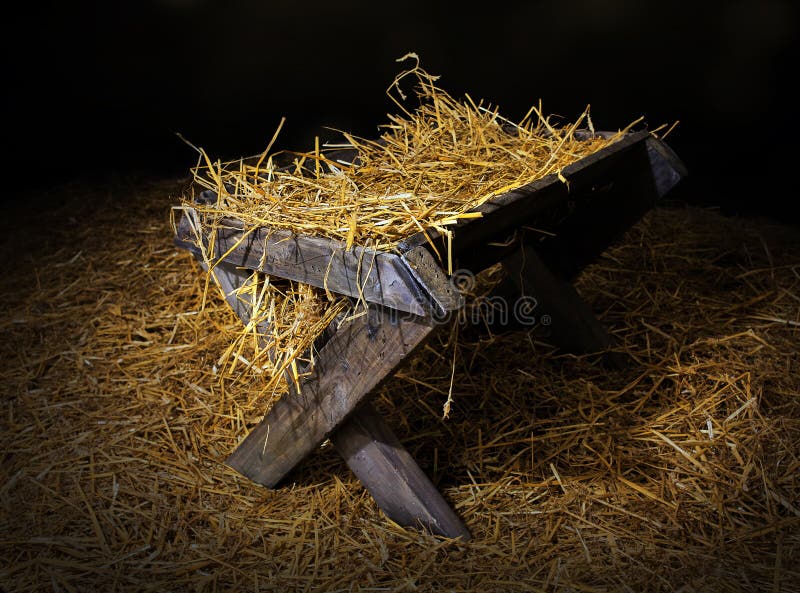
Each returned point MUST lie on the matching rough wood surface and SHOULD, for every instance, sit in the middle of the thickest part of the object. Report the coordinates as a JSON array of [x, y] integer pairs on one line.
[[613, 204], [537, 297], [393, 478], [427, 271], [372, 451], [361, 354], [524, 205], [605, 193], [376, 276]]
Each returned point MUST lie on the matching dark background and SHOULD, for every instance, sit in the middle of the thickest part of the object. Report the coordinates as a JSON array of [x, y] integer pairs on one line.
[[101, 90]]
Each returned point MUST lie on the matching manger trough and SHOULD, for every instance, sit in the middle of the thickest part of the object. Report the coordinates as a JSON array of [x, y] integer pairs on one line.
[[386, 287]]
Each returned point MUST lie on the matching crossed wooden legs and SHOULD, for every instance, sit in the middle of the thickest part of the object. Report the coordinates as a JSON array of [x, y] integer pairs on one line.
[[363, 352], [330, 403]]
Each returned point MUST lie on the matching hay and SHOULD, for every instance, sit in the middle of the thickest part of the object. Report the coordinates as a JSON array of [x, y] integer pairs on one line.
[[428, 169], [679, 473], [285, 320]]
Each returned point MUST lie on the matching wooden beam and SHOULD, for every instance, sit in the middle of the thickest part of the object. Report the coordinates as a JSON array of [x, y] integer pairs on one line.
[[360, 356], [538, 201], [535, 297], [430, 275], [615, 185], [612, 206], [376, 276], [602, 212], [605, 193], [392, 477]]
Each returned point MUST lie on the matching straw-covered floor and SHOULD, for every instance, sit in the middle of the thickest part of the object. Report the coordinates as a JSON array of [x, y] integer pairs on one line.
[[678, 473]]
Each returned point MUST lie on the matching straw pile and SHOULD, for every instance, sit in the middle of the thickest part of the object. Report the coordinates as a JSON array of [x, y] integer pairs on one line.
[[430, 167], [678, 473], [427, 169]]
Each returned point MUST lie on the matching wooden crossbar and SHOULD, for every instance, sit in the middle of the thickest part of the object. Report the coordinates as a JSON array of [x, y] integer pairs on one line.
[[353, 360]]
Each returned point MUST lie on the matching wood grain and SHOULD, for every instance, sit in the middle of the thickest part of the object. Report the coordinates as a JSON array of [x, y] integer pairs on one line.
[[606, 192], [377, 277], [358, 358], [393, 478]]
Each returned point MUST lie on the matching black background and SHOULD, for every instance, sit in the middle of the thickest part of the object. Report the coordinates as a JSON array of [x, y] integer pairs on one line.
[[97, 90]]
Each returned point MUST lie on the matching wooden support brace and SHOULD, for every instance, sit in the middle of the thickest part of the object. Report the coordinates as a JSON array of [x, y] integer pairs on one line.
[[393, 478], [610, 208], [609, 192], [536, 295], [360, 355]]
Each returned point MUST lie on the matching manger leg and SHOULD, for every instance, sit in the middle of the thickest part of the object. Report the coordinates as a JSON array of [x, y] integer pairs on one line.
[[371, 450], [355, 360], [387, 470], [535, 295]]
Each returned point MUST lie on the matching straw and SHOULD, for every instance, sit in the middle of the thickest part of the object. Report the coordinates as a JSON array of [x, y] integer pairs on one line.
[[115, 427], [430, 166]]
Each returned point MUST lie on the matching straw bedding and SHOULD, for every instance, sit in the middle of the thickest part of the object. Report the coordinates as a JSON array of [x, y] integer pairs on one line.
[[433, 163], [678, 473], [434, 160]]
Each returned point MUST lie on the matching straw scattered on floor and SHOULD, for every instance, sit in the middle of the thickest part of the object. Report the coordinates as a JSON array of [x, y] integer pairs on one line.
[[678, 473]]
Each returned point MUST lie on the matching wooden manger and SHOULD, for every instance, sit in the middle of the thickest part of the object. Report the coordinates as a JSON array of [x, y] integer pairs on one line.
[[404, 294]]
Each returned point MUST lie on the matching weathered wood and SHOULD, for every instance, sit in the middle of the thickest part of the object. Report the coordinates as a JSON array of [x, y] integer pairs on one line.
[[392, 477], [430, 275], [615, 185], [601, 213], [529, 203], [611, 208], [666, 167], [618, 183], [371, 450], [376, 276], [358, 358]]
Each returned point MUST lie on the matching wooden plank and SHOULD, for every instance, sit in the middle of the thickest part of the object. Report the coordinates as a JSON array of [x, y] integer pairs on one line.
[[360, 356], [666, 167], [606, 193], [377, 277], [529, 203], [611, 208], [392, 477]]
